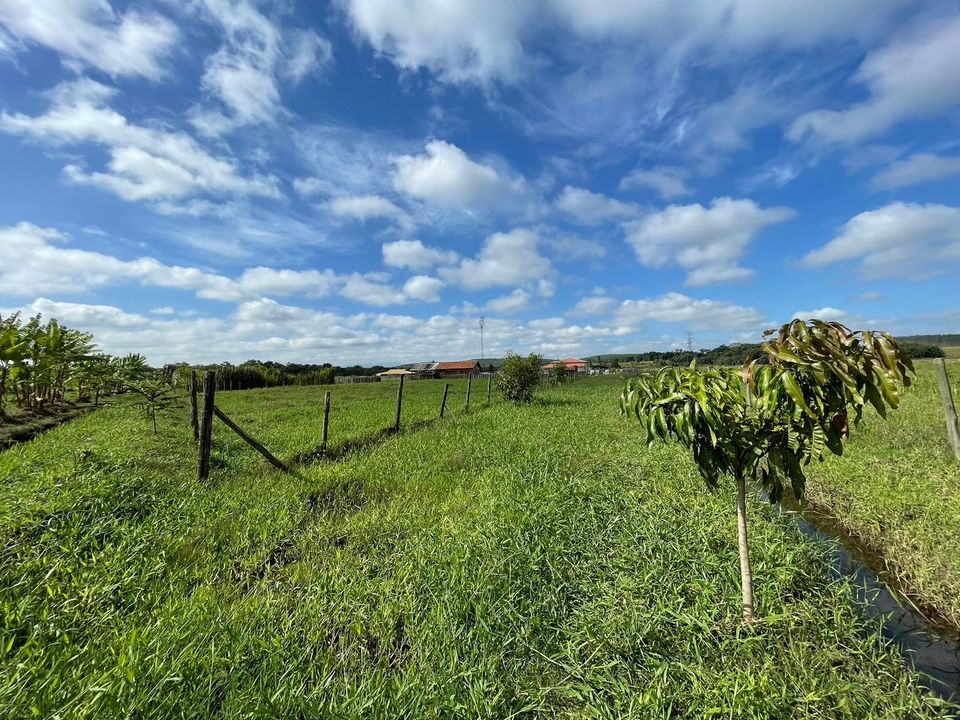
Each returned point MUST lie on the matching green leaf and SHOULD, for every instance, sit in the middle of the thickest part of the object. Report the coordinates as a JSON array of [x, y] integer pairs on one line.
[[793, 389]]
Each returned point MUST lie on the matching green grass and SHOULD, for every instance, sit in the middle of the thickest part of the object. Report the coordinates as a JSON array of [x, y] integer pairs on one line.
[[898, 488], [952, 352], [508, 562]]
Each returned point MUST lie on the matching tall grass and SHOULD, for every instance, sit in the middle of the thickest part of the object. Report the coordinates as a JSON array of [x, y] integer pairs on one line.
[[898, 488], [509, 562]]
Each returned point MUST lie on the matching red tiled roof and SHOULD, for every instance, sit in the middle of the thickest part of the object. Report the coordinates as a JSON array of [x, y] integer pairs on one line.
[[458, 365], [569, 362]]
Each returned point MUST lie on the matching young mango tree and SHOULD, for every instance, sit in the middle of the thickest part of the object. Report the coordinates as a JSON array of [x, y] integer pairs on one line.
[[764, 422]]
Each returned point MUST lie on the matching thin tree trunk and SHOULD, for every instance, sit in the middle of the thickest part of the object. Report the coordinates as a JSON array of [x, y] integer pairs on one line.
[[746, 578]]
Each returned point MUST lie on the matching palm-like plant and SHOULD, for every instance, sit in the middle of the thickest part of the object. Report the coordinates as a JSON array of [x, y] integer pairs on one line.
[[13, 351], [765, 422]]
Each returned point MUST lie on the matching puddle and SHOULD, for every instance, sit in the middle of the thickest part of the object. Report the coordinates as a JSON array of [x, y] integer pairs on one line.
[[933, 651]]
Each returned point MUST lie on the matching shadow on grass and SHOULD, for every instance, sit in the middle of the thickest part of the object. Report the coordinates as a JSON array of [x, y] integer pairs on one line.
[[337, 452]]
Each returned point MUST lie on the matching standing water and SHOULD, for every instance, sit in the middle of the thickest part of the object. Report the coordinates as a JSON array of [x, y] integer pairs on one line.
[[934, 652]]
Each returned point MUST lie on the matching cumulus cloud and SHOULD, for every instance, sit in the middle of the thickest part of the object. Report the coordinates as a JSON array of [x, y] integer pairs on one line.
[[92, 33], [447, 176], [913, 77], [505, 259], [462, 41], [914, 170], [696, 314], [708, 242], [34, 259], [146, 163], [423, 287], [591, 208], [668, 181], [897, 240], [414, 255], [508, 304], [827, 314], [592, 306]]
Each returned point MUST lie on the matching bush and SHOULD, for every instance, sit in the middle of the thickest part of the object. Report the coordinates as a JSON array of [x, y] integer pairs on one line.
[[519, 377], [918, 350], [558, 374]]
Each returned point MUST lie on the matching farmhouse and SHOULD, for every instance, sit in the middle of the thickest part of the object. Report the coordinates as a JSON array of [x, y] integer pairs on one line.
[[457, 369], [574, 366]]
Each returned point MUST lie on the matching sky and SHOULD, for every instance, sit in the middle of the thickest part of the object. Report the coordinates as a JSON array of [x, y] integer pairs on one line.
[[361, 180]]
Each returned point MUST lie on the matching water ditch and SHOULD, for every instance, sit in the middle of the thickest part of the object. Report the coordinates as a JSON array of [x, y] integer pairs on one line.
[[931, 648]]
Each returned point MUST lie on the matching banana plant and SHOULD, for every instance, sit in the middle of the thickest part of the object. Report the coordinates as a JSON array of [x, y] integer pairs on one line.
[[13, 351], [766, 421]]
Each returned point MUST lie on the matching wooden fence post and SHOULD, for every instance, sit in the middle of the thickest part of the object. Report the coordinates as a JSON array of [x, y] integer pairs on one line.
[[326, 420], [443, 403], [489, 385], [469, 385], [396, 421], [206, 425], [949, 408], [194, 423]]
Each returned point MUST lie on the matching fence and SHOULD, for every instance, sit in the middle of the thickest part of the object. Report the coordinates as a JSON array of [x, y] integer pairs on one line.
[[202, 420], [949, 408]]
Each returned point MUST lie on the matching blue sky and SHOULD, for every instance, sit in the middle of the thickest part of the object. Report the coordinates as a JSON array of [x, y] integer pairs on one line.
[[360, 180]]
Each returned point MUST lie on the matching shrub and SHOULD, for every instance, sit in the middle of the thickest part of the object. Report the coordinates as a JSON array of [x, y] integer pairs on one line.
[[519, 377], [558, 374], [917, 350]]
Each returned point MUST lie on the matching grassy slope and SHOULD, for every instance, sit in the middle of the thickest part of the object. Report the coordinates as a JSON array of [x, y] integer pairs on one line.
[[510, 562], [899, 488]]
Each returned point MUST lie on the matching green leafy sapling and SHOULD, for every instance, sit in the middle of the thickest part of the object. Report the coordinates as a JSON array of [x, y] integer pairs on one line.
[[765, 421]]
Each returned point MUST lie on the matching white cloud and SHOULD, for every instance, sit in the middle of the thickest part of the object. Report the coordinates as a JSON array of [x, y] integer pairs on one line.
[[148, 163], [897, 240], [445, 175], [913, 77], [90, 32], [414, 255], [508, 304], [372, 290], [306, 53], [827, 314], [33, 260], [506, 259], [592, 306], [709, 242], [916, 169], [696, 314], [467, 41], [670, 182], [309, 187], [423, 287], [242, 76], [572, 248], [592, 208], [367, 207], [460, 40]]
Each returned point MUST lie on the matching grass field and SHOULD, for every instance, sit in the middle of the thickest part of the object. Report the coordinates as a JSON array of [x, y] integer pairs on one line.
[[507, 562], [898, 488]]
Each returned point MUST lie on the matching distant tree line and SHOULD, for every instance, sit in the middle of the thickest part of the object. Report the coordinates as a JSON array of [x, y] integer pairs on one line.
[[258, 374], [736, 354]]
